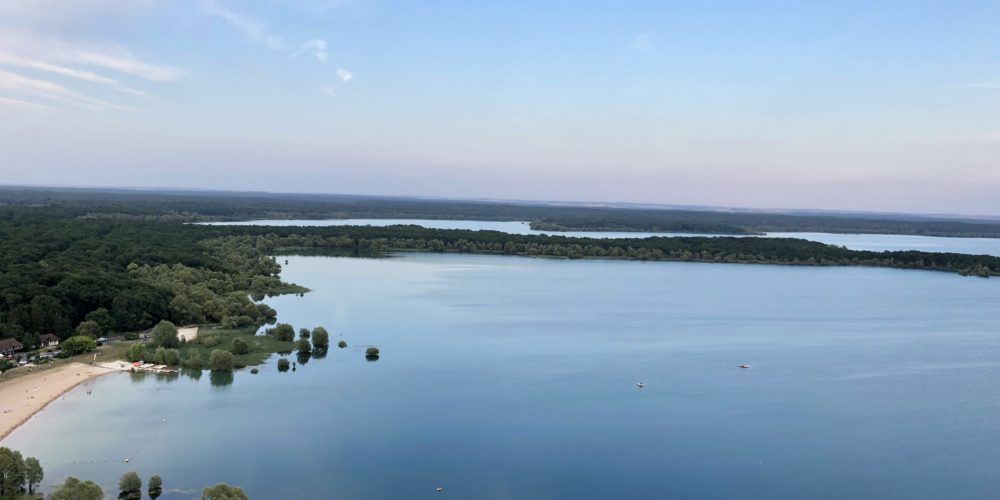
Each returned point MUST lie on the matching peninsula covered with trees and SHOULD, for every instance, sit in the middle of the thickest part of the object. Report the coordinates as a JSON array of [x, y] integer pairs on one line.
[[203, 206], [67, 271]]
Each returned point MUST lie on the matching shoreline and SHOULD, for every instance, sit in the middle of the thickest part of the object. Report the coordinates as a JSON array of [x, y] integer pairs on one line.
[[30, 394]]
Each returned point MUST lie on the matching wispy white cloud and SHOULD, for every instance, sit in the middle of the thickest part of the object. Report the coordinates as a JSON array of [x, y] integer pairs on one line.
[[17, 103], [21, 62], [50, 90], [644, 42], [251, 29], [327, 89], [344, 75], [124, 62], [317, 47], [32, 48]]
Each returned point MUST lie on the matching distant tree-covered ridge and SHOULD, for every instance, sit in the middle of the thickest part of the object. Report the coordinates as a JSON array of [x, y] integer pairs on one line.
[[228, 206], [59, 271]]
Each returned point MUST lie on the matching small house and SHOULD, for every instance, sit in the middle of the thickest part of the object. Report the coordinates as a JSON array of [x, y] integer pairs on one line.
[[48, 340], [9, 346]]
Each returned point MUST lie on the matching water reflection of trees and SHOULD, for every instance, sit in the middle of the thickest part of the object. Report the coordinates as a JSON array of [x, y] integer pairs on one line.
[[221, 378]]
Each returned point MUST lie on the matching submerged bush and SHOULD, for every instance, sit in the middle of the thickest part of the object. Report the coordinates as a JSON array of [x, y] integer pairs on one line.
[[283, 332], [221, 361], [320, 337], [342, 344], [303, 346]]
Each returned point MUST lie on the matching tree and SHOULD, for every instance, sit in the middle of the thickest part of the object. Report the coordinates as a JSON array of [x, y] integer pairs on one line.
[[12, 473], [171, 357], [303, 346], [164, 334], [320, 337], [130, 485], [47, 314], [221, 361], [240, 346], [136, 352], [89, 328], [304, 333], [194, 362], [283, 332], [74, 489], [78, 344], [223, 491], [33, 473], [102, 317], [155, 487]]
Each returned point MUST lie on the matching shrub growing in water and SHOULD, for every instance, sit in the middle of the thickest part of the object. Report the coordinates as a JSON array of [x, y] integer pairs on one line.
[[303, 333], [342, 344], [221, 361], [304, 346], [194, 362], [283, 332], [223, 491], [74, 489], [320, 337], [283, 365], [372, 353], [155, 487], [131, 486]]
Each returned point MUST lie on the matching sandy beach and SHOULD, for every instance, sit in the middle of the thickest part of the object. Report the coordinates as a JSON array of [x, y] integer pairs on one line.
[[22, 397], [188, 333]]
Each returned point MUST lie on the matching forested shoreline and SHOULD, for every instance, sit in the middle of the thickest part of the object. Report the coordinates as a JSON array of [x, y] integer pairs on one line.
[[205, 206], [59, 270]]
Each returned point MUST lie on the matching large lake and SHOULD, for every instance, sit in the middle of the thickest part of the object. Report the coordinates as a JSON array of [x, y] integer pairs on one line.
[[515, 378], [875, 242]]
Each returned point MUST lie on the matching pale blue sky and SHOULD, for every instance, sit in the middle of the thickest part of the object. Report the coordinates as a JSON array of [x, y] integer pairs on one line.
[[838, 105]]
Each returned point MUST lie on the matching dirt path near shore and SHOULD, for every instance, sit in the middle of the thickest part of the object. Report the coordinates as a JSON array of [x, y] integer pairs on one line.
[[22, 397]]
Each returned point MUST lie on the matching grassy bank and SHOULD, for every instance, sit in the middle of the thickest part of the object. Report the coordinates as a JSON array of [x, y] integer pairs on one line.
[[260, 347]]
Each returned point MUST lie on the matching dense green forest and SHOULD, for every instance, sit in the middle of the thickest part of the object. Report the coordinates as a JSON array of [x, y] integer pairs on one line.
[[222, 206], [58, 272], [60, 266]]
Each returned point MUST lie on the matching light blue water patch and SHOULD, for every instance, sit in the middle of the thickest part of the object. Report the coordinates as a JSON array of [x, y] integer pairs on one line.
[[515, 378]]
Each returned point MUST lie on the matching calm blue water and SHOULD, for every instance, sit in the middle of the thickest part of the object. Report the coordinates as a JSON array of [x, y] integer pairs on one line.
[[875, 242], [514, 378]]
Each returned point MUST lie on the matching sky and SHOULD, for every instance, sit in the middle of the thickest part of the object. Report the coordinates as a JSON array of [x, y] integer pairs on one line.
[[881, 106]]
